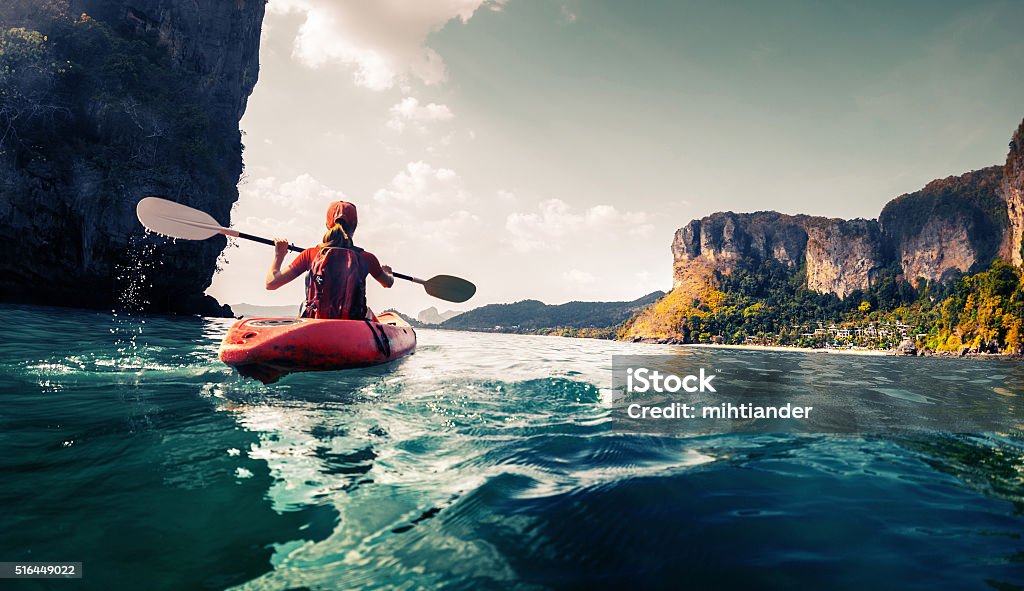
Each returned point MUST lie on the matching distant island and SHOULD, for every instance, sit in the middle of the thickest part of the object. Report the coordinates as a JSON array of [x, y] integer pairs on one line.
[[432, 316], [575, 319], [938, 272]]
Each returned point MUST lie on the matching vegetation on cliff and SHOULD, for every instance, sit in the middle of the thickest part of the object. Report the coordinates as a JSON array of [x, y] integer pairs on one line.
[[984, 312], [769, 303], [83, 89]]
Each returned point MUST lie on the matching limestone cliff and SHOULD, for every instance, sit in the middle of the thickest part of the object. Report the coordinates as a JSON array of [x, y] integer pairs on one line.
[[949, 225], [127, 98], [841, 256], [773, 279], [725, 239], [1013, 193], [953, 225]]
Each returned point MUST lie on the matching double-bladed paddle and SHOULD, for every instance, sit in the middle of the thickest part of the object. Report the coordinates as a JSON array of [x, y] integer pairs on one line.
[[186, 223]]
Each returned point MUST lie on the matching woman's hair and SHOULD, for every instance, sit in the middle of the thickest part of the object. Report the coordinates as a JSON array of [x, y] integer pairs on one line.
[[338, 235]]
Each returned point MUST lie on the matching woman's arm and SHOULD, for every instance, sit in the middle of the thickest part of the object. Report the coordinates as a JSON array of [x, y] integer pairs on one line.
[[387, 279], [381, 273], [276, 278]]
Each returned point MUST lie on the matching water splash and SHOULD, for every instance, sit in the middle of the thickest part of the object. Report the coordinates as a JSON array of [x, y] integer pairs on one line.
[[132, 277]]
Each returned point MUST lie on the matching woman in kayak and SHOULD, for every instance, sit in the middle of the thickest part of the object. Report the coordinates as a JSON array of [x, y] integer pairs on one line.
[[336, 284]]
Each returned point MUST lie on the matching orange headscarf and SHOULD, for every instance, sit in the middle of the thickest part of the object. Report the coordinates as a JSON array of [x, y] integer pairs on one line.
[[345, 211]]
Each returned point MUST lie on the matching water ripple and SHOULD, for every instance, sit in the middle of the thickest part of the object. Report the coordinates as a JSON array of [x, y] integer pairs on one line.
[[482, 461]]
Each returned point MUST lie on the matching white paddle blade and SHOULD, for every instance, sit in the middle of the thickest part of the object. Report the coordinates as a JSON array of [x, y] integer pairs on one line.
[[178, 221]]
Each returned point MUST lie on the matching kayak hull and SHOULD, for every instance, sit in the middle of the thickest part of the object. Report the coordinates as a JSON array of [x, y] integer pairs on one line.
[[269, 348]]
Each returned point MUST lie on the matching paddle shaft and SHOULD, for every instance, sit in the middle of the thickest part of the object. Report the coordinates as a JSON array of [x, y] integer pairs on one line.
[[408, 278], [294, 248], [267, 241], [179, 221], [291, 247]]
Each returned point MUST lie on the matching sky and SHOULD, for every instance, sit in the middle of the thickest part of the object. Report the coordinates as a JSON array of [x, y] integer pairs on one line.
[[550, 149]]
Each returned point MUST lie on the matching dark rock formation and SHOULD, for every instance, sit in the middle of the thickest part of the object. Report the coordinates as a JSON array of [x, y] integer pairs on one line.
[[133, 98], [954, 225], [948, 226]]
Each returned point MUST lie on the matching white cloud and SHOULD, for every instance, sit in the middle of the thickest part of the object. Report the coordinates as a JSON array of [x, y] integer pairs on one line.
[[448, 232], [421, 185], [424, 221], [579, 277], [555, 222], [276, 7], [292, 209], [424, 209], [637, 223], [534, 231], [410, 112], [420, 208], [384, 41], [303, 195]]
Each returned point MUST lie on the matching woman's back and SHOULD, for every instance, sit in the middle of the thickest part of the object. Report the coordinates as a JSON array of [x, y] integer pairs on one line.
[[336, 284]]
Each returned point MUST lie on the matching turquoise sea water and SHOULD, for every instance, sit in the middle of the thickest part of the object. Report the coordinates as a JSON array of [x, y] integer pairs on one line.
[[483, 461]]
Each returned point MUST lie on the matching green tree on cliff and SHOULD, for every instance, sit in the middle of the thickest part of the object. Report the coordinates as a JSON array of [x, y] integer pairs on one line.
[[28, 74], [770, 302]]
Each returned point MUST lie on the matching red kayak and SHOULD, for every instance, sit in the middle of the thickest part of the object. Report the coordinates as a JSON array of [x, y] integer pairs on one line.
[[268, 348]]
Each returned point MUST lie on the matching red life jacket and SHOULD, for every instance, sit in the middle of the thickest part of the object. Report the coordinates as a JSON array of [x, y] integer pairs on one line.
[[336, 284]]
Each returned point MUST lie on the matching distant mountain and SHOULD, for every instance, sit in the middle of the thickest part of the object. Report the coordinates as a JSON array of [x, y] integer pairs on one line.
[[412, 321], [253, 311], [534, 316], [432, 316]]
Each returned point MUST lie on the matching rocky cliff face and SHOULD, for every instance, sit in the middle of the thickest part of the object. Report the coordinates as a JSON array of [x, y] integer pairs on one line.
[[1013, 193], [840, 255], [949, 225], [134, 98], [725, 239], [843, 255], [952, 225]]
